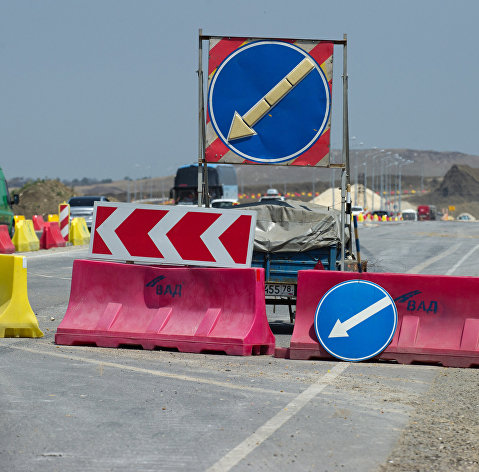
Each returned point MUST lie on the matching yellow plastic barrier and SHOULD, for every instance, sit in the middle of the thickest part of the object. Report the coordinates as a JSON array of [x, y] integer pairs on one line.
[[384, 218], [17, 319], [360, 217], [24, 239], [53, 217], [79, 234], [18, 218]]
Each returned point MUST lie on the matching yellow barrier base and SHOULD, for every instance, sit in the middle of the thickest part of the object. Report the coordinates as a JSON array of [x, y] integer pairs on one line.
[[79, 234], [17, 319], [24, 238]]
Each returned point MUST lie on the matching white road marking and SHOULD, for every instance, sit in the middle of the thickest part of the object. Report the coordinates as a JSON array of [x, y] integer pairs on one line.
[[232, 458], [65, 252], [30, 273], [458, 263], [157, 373], [420, 267]]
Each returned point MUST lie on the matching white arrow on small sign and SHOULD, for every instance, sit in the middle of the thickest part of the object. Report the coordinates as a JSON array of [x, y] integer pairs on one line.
[[340, 329]]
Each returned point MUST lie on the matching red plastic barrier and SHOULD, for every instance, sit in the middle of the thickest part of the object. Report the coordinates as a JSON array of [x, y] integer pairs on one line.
[[38, 222], [51, 236], [438, 317], [190, 309], [6, 245]]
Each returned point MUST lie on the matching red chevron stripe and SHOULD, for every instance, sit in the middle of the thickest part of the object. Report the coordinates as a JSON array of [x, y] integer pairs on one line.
[[222, 50], [102, 213], [315, 153], [236, 246], [321, 52], [215, 151], [133, 232], [186, 236]]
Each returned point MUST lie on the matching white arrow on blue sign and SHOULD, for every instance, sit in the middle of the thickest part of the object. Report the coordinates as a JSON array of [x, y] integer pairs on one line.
[[355, 320], [269, 101]]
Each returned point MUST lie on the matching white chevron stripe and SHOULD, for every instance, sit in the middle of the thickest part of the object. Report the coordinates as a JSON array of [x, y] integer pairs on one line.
[[158, 236], [211, 135], [211, 238], [107, 232]]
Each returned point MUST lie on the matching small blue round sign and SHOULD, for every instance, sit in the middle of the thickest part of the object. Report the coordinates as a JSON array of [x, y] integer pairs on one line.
[[355, 320], [269, 101]]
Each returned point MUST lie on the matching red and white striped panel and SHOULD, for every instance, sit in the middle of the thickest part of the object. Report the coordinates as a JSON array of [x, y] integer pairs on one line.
[[64, 217], [182, 235], [318, 154]]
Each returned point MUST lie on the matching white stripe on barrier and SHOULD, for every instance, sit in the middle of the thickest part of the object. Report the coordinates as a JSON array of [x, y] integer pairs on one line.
[[64, 213]]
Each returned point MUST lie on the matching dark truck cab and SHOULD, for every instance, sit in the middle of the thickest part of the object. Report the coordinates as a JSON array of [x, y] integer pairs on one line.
[[6, 202]]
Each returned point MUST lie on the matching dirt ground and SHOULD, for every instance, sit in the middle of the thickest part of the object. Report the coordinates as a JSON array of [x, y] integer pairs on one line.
[[42, 198], [442, 434]]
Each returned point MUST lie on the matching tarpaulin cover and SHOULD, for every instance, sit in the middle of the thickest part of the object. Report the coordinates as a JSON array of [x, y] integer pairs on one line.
[[294, 226]]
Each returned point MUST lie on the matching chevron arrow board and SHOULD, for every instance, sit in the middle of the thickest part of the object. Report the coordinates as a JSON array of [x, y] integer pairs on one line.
[[172, 235]]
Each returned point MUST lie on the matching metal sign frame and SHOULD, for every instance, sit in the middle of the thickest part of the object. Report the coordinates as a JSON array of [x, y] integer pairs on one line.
[[203, 197]]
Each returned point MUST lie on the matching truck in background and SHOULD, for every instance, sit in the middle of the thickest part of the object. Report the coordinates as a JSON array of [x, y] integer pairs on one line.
[[6, 202], [222, 184], [426, 212], [409, 215]]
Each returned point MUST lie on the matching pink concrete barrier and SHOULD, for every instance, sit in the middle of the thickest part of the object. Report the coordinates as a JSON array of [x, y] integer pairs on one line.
[[188, 309], [38, 222], [438, 317], [51, 236], [6, 245]]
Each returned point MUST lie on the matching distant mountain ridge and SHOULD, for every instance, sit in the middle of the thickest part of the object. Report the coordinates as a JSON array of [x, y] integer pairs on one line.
[[424, 163]]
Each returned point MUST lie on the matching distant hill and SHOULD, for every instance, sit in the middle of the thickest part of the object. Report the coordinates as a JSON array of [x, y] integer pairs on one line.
[[460, 182], [425, 172], [459, 188]]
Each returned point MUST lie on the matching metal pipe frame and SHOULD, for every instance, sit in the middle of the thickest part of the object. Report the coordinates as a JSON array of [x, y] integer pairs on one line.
[[345, 166]]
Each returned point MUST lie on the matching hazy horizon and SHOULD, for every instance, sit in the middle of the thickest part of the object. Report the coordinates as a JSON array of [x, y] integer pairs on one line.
[[108, 89]]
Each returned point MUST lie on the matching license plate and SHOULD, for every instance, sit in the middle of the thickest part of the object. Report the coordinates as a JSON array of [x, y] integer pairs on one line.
[[279, 290]]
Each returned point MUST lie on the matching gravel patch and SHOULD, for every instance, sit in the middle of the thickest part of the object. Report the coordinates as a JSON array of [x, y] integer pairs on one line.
[[444, 430]]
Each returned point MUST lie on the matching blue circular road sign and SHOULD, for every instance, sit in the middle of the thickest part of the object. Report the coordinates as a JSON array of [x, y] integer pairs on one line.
[[355, 320], [269, 101]]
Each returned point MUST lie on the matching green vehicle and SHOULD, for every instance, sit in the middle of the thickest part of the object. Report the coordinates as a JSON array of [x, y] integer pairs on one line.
[[6, 212]]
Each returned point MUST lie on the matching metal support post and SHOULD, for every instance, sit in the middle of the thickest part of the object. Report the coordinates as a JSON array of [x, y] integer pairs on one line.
[[347, 170], [343, 214], [200, 119]]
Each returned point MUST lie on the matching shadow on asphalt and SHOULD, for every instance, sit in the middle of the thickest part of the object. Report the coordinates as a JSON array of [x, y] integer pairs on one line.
[[280, 327]]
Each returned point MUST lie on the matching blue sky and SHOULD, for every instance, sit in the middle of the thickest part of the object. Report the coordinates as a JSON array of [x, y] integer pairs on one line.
[[109, 88]]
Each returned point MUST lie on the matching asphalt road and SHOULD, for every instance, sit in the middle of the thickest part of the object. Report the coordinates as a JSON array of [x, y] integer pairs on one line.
[[85, 408]]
